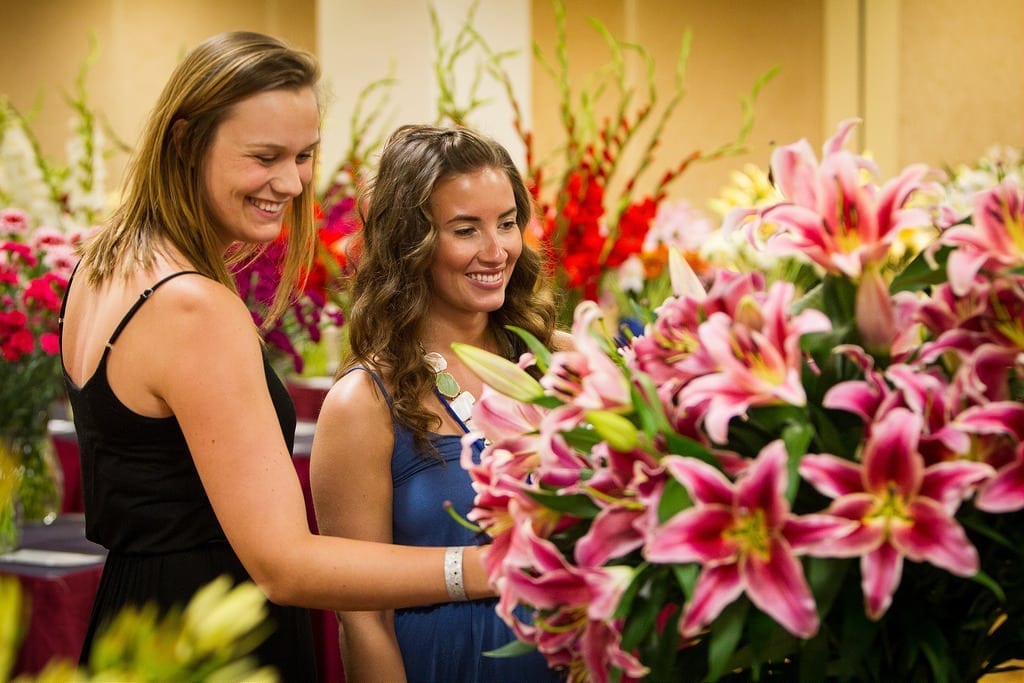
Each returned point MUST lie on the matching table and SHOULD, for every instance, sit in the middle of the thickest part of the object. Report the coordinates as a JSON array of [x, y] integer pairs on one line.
[[71, 593], [60, 596]]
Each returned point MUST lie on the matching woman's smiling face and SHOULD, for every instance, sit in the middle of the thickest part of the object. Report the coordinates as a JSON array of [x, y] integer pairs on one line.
[[261, 158], [478, 241]]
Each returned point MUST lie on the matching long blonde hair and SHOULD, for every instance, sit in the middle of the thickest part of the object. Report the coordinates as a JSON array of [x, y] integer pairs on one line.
[[165, 199]]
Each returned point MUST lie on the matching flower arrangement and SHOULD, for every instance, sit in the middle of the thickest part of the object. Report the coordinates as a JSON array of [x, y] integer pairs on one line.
[[818, 478], [597, 230], [46, 208], [291, 336], [34, 269]]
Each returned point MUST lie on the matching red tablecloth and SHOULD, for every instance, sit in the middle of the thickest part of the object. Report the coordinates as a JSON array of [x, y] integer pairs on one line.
[[60, 598]]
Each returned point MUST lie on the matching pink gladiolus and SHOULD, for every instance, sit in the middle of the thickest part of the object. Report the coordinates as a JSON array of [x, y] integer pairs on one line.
[[746, 539], [902, 508]]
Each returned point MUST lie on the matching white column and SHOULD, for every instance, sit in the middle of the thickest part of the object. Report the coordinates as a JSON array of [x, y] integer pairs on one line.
[[360, 42]]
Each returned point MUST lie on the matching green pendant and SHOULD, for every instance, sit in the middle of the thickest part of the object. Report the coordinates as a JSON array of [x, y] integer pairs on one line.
[[446, 384]]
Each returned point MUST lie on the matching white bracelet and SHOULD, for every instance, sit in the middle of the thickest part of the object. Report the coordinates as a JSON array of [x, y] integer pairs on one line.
[[453, 574]]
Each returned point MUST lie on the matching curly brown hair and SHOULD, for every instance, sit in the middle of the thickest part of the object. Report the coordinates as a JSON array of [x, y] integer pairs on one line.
[[391, 287]]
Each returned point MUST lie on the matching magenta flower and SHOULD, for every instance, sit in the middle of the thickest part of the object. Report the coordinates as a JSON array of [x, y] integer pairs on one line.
[[999, 440], [747, 541], [757, 359], [573, 624], [994, 242], [13, 222], [587, 376], [830, 215], [669, 350], [901, 508]]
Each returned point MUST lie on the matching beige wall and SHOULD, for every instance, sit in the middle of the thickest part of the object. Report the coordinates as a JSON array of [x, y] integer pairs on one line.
[[962, 78], [734, 42], [936, 80], [139, 42]]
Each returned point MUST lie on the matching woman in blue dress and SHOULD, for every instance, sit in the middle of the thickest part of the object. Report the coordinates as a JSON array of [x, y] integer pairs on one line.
[[441, 260]]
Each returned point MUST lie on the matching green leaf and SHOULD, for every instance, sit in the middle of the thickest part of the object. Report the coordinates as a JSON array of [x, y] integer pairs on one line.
[[513, 648], [582, 440], [797, 438], [825, 577], [725, 636], [640, 623], [920, 274], [539, 351], [576, 504], [674, 498], [813, 659], [677, 444]]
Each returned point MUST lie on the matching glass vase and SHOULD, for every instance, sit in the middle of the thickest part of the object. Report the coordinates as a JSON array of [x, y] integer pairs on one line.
[[40, 482], [10, 524]]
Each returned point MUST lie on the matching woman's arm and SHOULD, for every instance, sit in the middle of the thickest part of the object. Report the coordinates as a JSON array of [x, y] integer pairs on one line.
[[205, 364], [350, 476]]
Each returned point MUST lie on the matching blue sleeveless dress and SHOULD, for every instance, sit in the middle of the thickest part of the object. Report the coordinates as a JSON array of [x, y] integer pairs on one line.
[[446, 642]]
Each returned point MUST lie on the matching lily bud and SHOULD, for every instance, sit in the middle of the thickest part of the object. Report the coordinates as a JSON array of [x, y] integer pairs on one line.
[[874, 314], [620, 433], [225, 615], [684, 281], [500, 374]]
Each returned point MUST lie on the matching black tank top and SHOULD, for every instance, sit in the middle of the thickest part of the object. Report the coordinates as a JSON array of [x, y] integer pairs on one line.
[[141, 490]]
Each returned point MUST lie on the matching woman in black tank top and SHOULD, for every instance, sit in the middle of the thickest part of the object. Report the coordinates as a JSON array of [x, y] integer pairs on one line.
[[185, 432]]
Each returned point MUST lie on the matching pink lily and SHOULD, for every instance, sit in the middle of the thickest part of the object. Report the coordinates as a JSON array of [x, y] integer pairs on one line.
[[669, 350], [830, 215], [994, 242], [573, 623], [757, 359], [999, 425], [902, 508], [746, 539], [587, 376]]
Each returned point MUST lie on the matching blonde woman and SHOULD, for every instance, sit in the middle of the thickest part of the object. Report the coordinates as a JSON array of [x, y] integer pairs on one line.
[[185, 432]]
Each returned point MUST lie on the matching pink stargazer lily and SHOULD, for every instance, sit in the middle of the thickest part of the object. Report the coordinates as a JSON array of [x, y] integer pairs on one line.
[[757, 359], [574, 624], [902, 508], [996, 424], [995, 241], [747, 540], [586, 376], [830, 215]]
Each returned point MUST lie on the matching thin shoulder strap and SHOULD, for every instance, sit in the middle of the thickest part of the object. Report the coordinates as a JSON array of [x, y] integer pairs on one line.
[[64, 301], [376, 378], [142, 299]]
